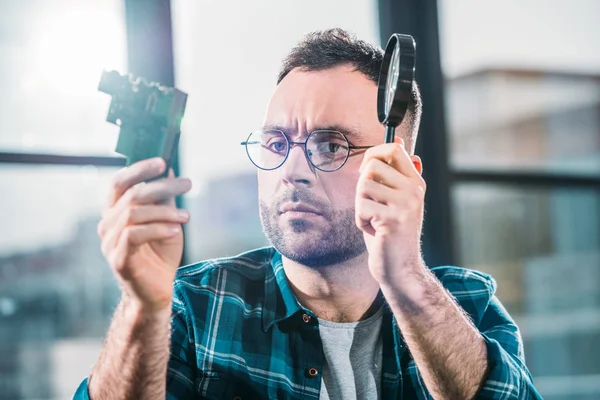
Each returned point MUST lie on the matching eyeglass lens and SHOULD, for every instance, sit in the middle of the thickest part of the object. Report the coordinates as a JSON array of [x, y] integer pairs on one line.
[[326, 150]]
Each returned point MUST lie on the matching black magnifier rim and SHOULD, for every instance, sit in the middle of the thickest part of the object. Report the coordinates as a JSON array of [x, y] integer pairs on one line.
[[406, 74]]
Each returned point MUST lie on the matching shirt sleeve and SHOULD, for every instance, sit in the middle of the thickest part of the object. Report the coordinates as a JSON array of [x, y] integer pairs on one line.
[[181, 371], [82, 391], [508, 376]]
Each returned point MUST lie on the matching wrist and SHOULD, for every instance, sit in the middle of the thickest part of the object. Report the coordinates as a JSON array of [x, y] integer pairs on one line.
[[406, 277], [137, 310], [411, 293]]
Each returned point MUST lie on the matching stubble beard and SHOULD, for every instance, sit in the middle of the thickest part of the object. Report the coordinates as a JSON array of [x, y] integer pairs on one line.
[[307, 243]]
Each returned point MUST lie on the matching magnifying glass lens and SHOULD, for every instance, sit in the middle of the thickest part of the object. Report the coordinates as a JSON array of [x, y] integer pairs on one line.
[[392, 78], [395, 81]]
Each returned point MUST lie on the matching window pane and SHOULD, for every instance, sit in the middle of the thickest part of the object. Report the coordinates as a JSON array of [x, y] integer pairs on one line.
[[53, 53], [57, 292], [508, 107], [516, 120], [229, 87], [224, 217], [543, 249]]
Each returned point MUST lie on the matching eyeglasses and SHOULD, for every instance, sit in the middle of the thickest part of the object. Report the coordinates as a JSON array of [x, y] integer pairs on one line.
[[326, 150]]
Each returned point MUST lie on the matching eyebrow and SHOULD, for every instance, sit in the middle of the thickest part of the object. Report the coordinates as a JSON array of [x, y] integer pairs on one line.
[[349, 132]]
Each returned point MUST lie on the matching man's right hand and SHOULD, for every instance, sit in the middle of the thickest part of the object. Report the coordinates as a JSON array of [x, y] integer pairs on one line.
[[141, 232]]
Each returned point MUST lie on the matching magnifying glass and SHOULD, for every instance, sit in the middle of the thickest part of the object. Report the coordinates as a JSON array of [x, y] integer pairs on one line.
[[395, 82]]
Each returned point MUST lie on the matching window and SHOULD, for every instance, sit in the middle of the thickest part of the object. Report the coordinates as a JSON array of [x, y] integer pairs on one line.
[[56, 292], [523, 112], [53, 54]]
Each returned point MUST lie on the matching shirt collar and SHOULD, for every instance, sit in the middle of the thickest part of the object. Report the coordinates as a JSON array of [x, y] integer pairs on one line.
[[280, 302]]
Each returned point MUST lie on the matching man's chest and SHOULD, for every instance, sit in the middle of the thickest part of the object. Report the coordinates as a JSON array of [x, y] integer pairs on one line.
[[287, 362], [249, 363]]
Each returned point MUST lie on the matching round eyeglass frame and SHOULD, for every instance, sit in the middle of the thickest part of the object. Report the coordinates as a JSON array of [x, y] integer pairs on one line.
[[291, 144]]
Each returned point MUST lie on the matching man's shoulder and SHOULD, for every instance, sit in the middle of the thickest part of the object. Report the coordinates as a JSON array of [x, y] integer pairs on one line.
[[233, 288], [245, 268], [471, 278], [472, 289]]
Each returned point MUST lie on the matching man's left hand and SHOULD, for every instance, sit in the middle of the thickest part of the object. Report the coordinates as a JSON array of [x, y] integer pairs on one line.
[[390, 197]]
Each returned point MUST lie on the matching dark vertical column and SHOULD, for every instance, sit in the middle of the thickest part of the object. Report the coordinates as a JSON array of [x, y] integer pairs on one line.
[[419, 18], [150, 48], [150, 39]]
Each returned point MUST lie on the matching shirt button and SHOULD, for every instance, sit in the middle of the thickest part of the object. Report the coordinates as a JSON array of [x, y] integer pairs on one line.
[[312, 372], [306, 318]]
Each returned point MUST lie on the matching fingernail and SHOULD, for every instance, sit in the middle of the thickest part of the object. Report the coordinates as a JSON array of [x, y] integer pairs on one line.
[[175, 229], [182, 214]]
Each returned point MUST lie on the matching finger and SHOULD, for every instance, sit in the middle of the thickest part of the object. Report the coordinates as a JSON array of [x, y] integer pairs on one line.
[[368, 212], [136, 235], [171, 201], [154, 192], [140, 214], [395, 155], [132, 175], [382, 173], [370, 189], [161, 191]]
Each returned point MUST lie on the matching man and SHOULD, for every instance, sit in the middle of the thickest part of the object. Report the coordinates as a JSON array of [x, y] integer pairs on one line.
[[342, 305]]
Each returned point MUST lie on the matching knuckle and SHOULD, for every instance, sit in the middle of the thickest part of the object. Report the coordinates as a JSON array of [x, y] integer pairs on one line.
[[117, 182], [127, 235], [361, 185], [132, 194], [416, 194], [116, 262], [369, 168], [372, 174], [130, 214]]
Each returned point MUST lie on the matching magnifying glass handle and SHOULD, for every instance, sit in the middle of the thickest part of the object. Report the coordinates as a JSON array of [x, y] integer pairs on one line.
[[389, 134]]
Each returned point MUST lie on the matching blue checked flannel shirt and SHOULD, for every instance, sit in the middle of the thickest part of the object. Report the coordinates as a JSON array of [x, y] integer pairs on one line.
[[239, 332]]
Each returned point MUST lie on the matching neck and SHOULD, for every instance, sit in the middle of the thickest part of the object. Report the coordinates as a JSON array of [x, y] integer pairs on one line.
[[342, 293]]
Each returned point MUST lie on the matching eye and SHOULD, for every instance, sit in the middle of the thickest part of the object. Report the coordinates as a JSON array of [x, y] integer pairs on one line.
[[331, 148], [335, 147], [277, 146], [274, 143]]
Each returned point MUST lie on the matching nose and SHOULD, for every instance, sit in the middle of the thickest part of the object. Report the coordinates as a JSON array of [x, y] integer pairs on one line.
[[297, 170]]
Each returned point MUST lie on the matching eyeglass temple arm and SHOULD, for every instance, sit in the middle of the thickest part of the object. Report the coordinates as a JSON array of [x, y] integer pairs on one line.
[[360, 147]]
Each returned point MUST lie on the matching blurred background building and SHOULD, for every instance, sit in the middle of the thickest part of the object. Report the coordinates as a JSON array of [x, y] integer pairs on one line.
[[510, 140]]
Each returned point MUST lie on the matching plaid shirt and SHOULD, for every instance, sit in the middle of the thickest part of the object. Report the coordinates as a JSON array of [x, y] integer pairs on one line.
[[239, 332]]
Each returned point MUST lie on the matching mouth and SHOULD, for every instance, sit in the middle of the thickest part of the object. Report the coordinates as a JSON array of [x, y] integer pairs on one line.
[[299, 210]]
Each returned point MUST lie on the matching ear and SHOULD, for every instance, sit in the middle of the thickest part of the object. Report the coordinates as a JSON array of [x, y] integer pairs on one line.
[[416, 160]]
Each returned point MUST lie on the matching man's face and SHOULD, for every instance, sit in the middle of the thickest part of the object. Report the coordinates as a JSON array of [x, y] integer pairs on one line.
[[303, 102]]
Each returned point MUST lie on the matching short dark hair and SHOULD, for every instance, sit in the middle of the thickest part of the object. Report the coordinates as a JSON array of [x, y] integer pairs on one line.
[[324, 49]]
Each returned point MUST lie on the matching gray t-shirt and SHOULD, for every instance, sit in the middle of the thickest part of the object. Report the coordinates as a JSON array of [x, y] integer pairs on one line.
[[353, 354]]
